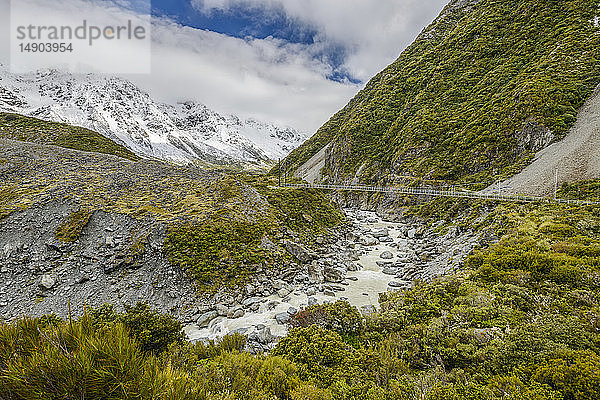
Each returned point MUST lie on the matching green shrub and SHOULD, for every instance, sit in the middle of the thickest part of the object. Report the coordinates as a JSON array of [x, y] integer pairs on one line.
[[340, 317], [576, 375], [319, 352], [216, 252], [154, 331], [512, 387], [38, 362]]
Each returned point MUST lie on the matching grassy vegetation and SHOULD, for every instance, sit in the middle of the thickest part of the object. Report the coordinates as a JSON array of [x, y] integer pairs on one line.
[[226, 248], [588, 190], [217, 252], [455, 104], [14, 197], [28, 129], [522, 321], [69, 230], [307, 212]]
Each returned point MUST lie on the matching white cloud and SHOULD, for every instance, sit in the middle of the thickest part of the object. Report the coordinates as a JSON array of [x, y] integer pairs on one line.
[[374, 31], [90, 52], [266, 79], [271, 79]]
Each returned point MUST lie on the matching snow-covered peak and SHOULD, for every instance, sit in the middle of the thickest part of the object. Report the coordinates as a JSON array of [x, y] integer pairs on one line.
[[118, 109]]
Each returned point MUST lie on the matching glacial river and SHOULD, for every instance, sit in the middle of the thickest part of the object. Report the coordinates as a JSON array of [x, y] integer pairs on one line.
[[362, 288]]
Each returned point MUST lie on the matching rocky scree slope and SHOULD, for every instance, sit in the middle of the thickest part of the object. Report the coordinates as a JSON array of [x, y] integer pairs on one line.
[[482, 89], [119, 110], [573, 159], [89, 228]]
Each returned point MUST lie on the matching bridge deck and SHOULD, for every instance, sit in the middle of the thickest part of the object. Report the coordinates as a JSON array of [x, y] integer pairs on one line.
[[419, 191]]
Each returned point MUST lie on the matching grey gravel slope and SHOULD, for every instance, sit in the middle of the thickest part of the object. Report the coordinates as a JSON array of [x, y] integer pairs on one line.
[[577, 156]]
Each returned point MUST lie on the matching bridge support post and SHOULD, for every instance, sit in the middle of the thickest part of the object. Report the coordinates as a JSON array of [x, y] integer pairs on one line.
[[555, 183]]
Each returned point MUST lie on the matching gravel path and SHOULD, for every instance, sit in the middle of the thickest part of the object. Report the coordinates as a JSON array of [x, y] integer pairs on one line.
[[577, 156]]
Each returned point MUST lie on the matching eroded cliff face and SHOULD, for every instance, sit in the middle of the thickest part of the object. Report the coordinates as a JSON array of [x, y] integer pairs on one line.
[[116, 260]]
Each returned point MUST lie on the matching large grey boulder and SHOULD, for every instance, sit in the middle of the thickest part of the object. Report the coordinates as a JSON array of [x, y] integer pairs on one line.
[[368, 240], [47, 282], [251, 301], [235, 313], [265, 336], [205, 318], [222, 310], [298, 251], [386, 255], [282, 318], [380, 233]]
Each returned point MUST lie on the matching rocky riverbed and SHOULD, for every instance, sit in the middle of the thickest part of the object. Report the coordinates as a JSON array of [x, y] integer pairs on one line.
[[371, 257], [366, 257]]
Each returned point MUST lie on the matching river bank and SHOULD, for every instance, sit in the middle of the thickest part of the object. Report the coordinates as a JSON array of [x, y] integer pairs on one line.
[[373, 256]]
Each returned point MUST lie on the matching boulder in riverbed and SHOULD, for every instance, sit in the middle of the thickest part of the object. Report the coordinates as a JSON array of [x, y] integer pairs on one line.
[[368, 240], [333, 274], [205, 318], [380, 233], [282, 318]]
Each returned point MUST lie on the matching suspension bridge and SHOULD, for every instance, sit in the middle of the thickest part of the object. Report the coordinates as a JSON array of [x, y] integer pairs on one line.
[[431, 192]]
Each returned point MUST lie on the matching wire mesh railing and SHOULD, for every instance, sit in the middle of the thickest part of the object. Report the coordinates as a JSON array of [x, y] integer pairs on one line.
[[455, 193]]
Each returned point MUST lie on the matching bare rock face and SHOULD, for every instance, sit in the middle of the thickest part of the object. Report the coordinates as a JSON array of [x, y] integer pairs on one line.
[[533, 137]]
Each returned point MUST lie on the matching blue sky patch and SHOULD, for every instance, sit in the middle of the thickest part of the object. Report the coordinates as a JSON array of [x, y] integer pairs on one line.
[[259, 23]]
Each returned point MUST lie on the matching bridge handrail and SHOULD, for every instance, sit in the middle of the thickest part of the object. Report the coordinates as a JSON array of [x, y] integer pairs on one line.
[[462, 193]]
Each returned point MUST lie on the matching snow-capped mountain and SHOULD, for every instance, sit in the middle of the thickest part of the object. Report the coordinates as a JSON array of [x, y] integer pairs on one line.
[[118, 109]]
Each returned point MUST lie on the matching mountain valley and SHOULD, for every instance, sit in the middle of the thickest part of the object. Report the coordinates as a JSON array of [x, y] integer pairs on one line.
[[138, 261]]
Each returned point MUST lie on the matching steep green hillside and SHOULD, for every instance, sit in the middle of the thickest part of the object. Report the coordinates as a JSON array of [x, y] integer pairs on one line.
[[485, 86], [27, 129]]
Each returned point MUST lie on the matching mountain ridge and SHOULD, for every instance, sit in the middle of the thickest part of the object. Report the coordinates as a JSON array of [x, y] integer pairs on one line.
[[118, 109]]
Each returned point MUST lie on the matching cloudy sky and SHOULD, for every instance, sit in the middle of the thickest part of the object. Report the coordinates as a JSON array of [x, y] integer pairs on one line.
[[294, 62]]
